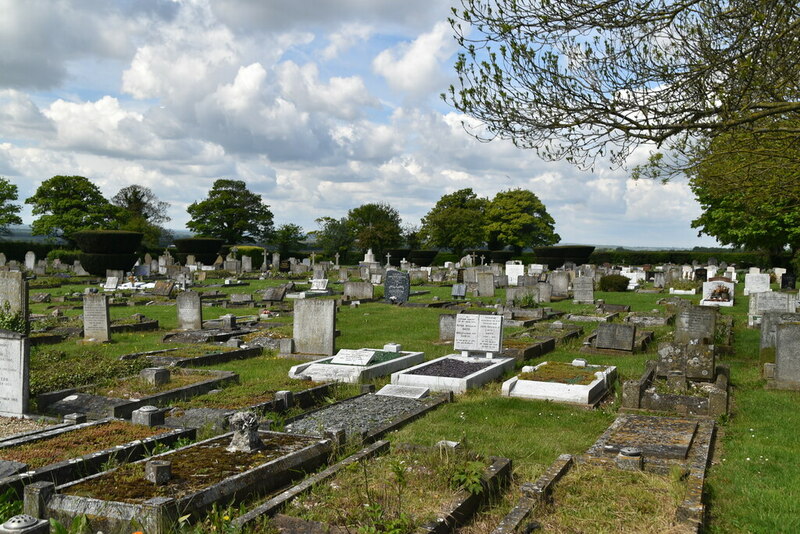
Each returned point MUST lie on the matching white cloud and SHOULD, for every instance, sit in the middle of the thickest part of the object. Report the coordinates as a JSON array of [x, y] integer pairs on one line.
[[416, 68], [343, 40]]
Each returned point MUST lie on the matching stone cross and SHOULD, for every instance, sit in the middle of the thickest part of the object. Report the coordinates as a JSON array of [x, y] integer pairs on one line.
[[313, 257], [482, 259], [387, 259], [337, 259], [473, 258]]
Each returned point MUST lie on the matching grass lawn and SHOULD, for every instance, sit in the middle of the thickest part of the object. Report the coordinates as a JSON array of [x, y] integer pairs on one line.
[[752, 486]]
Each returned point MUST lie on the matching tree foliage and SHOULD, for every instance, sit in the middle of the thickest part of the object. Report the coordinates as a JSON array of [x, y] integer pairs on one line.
[[583, 79], [749, 192], [376, 226], [456, 221], [141, 211], [335, 236], [287, 238], [231, 212], [8, 211], [68, 204], [517, 218]]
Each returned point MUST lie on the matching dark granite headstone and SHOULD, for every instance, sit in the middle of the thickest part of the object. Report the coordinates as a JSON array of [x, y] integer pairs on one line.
[[615, 336], [788, 281], [397, 287], [701, 274], [274, 294], [695, 323]]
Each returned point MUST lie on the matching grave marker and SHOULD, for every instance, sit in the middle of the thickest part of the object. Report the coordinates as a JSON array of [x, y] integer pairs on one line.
[[163, 288], [314, 328], [756, 283], [96, 319], [397, 287], [358, 291], [478, 333], [695, 323], [485, 282], [769, 301], [787, 355], [459, 291], [695, 361], [30, 260], [583, 290], [14, 373], [615, 336], [190, 311], [559, 280]]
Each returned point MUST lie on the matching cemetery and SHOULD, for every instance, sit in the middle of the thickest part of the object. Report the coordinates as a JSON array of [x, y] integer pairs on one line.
[[463, 373]]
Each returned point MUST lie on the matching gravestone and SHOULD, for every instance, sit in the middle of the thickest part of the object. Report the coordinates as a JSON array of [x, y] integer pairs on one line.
[[615, 336], [397, 287], [314, 328], [527, 280], [96, 320], [2, 259], [485, 282], [788, 281], [659, 279], [514, 295], [559, 280], [353, 357], [701, 274], [447, 327], [459, 291], [583, 290], [232, 266], [30, 260], [695, 361], [276, 260], [695, 323], [769, 326], [358, 291], [163, 288], [545, 291], [376, 279], [756, 283], [768, 301], [247, 264], [478, 333], [14, 373], [190, 311], [319, 284], [14, 292], [241, 298], [754, 270], [111, 283], [141, 270], [787, 355], [718, 293], [274, 294], [514, 269]]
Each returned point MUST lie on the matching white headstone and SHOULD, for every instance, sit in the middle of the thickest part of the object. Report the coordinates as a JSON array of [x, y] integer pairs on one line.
[[96, 321], [756, 283], [478, 333], [14, 373], [353, 357]]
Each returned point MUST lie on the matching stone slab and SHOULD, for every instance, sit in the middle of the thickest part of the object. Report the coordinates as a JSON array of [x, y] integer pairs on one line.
[[408, 392], [479, 333], [659, 437]]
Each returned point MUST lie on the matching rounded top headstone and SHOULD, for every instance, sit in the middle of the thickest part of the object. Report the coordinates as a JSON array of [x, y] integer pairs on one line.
[[20, 522]]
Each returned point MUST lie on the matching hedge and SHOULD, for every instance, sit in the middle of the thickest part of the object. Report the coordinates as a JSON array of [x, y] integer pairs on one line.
[[107, 241], [15, 250], [97, 264]]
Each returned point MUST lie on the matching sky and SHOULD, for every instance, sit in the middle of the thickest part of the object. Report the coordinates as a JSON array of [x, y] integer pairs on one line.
[[319, 106]]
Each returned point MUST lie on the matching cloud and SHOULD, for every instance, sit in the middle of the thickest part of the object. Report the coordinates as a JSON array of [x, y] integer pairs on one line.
[[416, 68], [348, 36]]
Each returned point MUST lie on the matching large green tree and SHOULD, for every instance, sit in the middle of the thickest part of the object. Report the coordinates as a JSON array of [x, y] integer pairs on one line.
[[335, 236], [582, 79], [456, 221], [8, 211], [517, 218], [749, 191], [141, 211], [233, 213], [288, 238], [69, 204], [376, 226]]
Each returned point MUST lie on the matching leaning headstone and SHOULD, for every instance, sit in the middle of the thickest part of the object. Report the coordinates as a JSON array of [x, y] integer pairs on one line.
[[358, 291], [163, 288], [274, 294], [111, 283], [787, 355], [96, 319], [485, 282], [756, 283], [615, 336], [583, 290], [314, 330], [695, 323], [190, 311], [397, 287], [14, 373], [14, 293]]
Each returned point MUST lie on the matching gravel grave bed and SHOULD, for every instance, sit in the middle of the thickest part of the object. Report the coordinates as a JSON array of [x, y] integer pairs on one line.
[[15, 425], [355, 415], [450, 368]]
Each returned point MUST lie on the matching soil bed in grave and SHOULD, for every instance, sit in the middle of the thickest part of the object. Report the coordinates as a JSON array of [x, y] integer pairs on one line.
[[594, 499], [77, 443], [137, 388], [238, 396], [561, 372], [193, 468], [409, 487], [450, 368]]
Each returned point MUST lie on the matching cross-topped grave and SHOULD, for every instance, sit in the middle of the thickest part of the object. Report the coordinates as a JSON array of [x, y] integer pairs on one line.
[[478, 333]]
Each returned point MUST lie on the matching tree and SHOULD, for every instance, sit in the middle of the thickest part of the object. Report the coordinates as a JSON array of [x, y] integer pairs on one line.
[[231, 212], [8, 211], [69, 204], [141, 211], [456, 221], [518, 218], [583, 79], [335, 236], [375, 226], [749, 192], [288, 237]]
